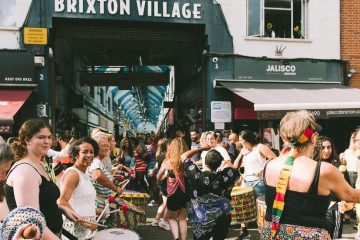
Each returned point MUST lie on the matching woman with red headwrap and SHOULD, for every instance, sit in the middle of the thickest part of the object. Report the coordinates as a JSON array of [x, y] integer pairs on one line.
[[298, 188]]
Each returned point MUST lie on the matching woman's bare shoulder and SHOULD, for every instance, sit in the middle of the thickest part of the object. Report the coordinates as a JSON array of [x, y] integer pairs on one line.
[[23, 170]]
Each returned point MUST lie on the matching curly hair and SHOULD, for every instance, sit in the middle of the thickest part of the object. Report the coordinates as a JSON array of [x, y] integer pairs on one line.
[[333, 159], [75, 147], [176, 148]]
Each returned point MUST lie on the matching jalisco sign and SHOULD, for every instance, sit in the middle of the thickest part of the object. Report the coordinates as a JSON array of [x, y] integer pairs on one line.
[[142, 8], [281, 69], [287, 70]]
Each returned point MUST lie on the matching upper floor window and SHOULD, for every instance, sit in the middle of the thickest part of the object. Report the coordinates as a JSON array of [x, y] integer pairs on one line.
[[7, 13], [277, 18]]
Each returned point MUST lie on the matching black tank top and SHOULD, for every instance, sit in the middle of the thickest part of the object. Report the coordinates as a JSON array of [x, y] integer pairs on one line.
[[301, 208], [48, 195]]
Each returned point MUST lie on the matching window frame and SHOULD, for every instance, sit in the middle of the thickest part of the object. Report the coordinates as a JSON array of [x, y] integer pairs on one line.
[[303, 20]]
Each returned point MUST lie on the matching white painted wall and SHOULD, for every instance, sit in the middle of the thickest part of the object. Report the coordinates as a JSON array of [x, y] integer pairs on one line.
[[10, 35], [323, 32]]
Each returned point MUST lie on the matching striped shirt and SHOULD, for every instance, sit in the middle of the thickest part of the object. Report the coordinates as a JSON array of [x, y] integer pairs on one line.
[[102, 193]]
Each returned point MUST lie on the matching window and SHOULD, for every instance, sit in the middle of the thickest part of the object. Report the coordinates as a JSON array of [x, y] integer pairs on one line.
[[277, 18], [109, 104], [92, 92], [102, 97], [7, 13]]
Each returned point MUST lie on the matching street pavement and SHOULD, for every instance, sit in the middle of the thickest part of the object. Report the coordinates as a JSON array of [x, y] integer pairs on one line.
[[148, 232]]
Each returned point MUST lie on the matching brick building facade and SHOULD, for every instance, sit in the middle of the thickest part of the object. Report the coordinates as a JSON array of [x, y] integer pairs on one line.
[[350, 37]]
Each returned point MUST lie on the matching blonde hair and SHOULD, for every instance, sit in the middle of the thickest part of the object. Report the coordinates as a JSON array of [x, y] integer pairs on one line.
[[99, 136], [176, 148], [202, 140], [162, 146], [110, 136], [95, 131], [293, 125]]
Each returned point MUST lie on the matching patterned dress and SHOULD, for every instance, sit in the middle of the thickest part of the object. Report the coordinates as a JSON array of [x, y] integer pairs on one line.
[[207, 183]]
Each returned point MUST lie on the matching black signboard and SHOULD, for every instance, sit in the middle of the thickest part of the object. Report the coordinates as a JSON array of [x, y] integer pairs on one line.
[[181, 11], [289, 70], [17, 68]]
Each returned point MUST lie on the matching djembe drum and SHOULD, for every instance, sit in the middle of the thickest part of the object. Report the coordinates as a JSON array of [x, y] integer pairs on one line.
[[137, 198], [124, 214], [261, 212], [116, 234], [243, 201]]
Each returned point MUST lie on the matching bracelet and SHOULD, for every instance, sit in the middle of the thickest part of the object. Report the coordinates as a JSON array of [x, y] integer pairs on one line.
[[115, 188]]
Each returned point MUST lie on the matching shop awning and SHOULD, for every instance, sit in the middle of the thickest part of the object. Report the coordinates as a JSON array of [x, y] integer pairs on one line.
[[10, 102], [294, 96]]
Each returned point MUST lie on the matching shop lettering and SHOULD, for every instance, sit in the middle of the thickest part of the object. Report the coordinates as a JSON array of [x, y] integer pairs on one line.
[[123, 7], [285, 69]]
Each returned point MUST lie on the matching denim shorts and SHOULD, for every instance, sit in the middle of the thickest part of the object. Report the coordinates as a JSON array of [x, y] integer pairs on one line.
[[258, 186]]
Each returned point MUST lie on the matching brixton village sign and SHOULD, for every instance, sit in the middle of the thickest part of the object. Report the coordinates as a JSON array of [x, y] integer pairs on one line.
[[161, 9]]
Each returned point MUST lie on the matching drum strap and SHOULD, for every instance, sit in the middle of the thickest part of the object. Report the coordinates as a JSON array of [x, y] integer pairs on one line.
[[283, 181], [68, 235]]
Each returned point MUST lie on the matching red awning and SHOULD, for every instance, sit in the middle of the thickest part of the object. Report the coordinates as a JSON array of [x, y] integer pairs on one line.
[[11, 101]]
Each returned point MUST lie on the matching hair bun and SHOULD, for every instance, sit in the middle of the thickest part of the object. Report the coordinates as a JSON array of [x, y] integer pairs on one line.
[[20, 216]]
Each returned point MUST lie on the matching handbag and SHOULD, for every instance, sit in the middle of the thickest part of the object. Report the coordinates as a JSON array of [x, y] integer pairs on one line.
[[207, 208]]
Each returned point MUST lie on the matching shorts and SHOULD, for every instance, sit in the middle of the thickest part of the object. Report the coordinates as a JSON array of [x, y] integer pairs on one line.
[[177, 200], [258, 186]]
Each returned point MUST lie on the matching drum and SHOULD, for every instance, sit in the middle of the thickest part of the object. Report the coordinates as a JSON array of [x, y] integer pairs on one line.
[[137, 198], [116, 234], [124, 214], [261, 212], [243, 201]]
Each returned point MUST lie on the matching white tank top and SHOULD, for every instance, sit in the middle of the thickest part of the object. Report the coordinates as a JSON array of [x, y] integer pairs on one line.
[[83, 199], [254, 163], [351, 160]]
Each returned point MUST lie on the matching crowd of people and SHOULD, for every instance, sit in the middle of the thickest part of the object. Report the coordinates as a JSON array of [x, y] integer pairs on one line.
[[309, 190]]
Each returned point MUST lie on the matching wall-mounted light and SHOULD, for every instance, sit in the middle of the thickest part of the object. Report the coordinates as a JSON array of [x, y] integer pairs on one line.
[[351, 72]]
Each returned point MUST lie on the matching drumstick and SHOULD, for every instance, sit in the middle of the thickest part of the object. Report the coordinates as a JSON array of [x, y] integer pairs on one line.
[[91, 223], [126, 183], [114, 211], [97, 221], [102, 213]]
